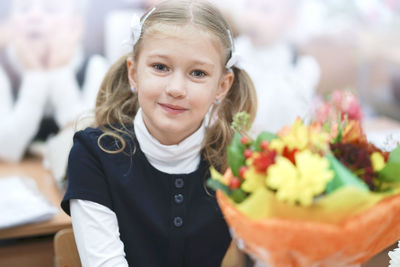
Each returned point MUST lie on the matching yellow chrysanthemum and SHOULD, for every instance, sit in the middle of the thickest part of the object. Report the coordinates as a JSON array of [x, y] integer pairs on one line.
[[219, 177], [297, 136], [302, 182], [318, 138], [253, 180], [301, 137], [378, 162]]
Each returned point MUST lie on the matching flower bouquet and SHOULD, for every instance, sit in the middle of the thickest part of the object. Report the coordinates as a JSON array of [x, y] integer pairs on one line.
[[342, 102], [310, 195]]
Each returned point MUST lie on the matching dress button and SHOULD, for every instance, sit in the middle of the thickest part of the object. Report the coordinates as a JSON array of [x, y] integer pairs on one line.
[[179, 183], [178, 198], [178, 221]]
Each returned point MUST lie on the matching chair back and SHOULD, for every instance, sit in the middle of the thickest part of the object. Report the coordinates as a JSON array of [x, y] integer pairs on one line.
[[66, 252], [65, 249]]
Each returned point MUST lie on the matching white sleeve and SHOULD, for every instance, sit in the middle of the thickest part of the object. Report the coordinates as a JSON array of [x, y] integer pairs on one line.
[[96, 69], [6, 101], [65, 95], [20, 123], [97, 235], [308, 72]]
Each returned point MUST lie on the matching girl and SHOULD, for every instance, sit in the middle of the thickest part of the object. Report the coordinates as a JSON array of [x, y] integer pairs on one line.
[[136, 190]]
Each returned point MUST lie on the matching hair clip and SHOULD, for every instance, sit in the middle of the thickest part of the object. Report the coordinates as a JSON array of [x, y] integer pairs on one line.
[[235, 59]]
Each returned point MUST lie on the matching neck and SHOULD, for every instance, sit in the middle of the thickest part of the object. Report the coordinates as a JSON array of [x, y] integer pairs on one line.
[[178, 158]]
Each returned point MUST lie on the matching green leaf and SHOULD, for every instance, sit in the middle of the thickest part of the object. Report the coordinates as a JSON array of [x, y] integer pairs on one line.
[[235, 154], [395, 155], [342, 177], [327, 127], [217, 185], [263, 136], [341, 126], [390, 173], [236, 141], [236, 159], [238, 195]]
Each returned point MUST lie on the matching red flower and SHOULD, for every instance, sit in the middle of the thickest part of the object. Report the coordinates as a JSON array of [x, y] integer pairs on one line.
[[234, 183], [264, 159], [356, 158], [290, 154]]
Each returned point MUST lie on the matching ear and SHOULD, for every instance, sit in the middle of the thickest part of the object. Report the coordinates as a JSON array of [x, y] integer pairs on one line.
[[225, 85], [130, 65]]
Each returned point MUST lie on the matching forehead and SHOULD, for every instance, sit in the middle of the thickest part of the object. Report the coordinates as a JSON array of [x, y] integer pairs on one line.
[[170, 38]]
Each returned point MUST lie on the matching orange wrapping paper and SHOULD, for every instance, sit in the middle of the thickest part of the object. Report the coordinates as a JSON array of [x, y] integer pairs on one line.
[[289, 243]]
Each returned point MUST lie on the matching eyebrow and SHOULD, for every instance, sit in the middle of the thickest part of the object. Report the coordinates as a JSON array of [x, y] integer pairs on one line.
[[194, 62]]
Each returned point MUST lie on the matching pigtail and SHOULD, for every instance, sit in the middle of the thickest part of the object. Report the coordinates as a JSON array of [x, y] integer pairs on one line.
[[241, 97], [116, 105]]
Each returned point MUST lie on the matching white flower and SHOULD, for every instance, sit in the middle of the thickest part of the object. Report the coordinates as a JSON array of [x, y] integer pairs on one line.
[[395, 257]]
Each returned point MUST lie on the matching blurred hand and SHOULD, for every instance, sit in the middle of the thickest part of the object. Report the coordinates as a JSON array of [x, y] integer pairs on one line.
[[63, 43]]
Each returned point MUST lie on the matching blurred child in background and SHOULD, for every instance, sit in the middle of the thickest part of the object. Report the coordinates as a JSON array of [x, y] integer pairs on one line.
[[49, 81], [284, 79]]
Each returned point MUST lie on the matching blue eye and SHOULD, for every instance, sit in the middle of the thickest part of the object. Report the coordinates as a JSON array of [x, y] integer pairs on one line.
[[198, 73], [160, 67]]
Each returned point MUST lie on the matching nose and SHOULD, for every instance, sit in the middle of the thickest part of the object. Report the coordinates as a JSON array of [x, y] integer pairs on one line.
[[176, 85]]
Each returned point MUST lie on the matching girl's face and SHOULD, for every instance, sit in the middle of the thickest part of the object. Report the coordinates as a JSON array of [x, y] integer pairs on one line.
[[177, 78]]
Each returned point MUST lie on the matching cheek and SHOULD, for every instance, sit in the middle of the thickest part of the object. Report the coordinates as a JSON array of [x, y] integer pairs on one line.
[[149, 88], [202, 97]]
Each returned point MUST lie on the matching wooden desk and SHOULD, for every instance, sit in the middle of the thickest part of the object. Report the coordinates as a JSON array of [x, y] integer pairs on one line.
[[38, 250], [33, 168]]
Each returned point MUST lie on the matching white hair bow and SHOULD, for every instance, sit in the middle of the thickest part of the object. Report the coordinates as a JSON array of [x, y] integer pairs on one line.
[[235, 59], [136, 28]]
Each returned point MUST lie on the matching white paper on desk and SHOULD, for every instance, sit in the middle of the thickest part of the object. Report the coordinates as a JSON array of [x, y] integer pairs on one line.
[[384, 139], [21, 202]]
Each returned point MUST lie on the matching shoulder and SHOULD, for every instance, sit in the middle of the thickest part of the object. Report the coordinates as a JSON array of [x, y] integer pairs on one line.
[[97, 64], [87, 136], [93, 139]]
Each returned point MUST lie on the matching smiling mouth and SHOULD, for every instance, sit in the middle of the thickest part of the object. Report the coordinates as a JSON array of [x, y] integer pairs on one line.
[[173, 109]]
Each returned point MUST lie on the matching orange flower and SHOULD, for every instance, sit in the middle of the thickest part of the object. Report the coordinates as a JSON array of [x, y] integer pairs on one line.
[[353, 133]]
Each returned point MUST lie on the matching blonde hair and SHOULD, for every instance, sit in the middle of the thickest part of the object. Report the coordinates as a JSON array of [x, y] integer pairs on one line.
[[117, 105]]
